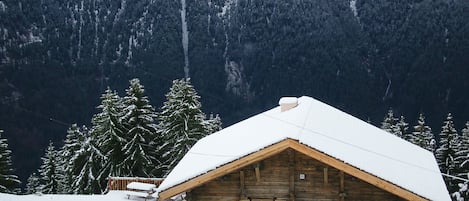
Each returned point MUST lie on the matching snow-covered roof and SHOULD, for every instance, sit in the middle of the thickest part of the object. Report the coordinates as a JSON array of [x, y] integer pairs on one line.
[[325, 129]]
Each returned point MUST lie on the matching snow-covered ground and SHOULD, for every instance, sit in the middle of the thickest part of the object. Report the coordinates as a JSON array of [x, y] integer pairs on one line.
[[111, 196]]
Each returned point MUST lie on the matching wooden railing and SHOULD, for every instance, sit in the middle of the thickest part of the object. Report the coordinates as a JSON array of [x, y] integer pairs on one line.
[[120, 183]]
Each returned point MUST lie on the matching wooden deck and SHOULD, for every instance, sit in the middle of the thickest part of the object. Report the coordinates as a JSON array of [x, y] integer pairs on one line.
[[120, 183]]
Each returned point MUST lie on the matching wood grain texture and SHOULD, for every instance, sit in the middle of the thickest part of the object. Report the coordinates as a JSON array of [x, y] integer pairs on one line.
[[326, 179]]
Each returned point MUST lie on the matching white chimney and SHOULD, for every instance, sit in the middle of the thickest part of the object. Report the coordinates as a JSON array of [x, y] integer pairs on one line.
[[287, 103]]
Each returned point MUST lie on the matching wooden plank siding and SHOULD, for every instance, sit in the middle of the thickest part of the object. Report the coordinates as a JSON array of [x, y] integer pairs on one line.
[[274, 180], [120, 183], [225, 169]]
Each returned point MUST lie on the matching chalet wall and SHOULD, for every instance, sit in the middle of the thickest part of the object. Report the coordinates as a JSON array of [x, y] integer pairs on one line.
[[279, 177]]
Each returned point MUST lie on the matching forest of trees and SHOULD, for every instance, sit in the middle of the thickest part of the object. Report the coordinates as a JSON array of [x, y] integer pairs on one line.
[[128, 137], [9, 182], [244, 55], [451, 153]]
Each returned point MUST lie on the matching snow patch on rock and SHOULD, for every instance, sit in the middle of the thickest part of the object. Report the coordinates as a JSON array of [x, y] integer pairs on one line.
[[225, 9], [132, 43], [185, 38], [446, 43], [3, 7], [209, 17], [80, 31], [353, 8], [235, 83], [31, 37]]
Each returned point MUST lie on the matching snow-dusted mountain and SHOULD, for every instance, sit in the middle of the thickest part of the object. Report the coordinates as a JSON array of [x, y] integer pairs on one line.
[[56, 57]]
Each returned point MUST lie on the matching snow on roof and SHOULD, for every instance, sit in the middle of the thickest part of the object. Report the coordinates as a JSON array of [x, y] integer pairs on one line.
[[141, 186], [288, 100], [323, 128]]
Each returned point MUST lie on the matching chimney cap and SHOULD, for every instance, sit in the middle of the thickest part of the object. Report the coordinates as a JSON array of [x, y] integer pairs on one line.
[[287, 103]]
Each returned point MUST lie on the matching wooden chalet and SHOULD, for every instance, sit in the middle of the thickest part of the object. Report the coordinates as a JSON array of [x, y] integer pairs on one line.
[[304, 150]]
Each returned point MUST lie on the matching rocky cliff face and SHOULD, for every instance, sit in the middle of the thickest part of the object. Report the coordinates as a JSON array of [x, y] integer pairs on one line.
[[242, 55]]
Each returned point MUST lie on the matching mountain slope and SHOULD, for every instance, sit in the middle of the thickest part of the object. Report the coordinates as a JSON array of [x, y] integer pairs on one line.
[[242, 55]]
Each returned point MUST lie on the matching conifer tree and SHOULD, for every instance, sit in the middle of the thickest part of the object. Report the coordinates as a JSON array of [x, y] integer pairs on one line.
[[49, 172], [72, 145], [422, 135], [109, 134], [463, 193], [140, 133], [182, 121], [8, 181], [33, 184], [462, 153], [214, 123], [401, 128], [86, 165], [389, 123], [446, 152]]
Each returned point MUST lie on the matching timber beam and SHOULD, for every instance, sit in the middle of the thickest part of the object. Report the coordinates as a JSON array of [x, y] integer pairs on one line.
[[351, 170], [326, 176], [274, 149], [225, 169], [291, 171]]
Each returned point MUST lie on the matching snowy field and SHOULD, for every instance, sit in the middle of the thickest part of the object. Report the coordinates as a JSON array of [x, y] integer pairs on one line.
[[111, 196]]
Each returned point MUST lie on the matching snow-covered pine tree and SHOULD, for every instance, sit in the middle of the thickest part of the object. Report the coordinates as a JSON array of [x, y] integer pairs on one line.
[[446, 152], [462, 153], [422, 135], [214, 123], [182, 122], [72, 145], [86, 164], [140, 132], [389, 123], [401, 128], [109, 134], [49, 171], [8, 181], [33, 184], [462, 194]]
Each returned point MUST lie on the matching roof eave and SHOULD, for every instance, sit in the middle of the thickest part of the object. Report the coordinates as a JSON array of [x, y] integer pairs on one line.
[[277, 148], [356, 172]]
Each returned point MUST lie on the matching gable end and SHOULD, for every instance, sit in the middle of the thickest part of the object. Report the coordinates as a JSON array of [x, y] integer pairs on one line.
[[277, 148]]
